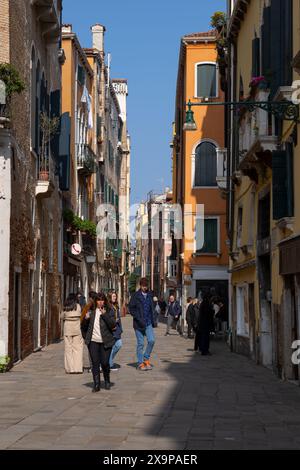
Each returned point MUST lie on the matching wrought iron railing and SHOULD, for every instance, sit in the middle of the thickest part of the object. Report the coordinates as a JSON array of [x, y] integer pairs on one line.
[[86, 159]]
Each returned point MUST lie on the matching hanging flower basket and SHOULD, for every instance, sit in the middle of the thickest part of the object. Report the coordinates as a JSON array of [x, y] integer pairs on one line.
[[258, 83]]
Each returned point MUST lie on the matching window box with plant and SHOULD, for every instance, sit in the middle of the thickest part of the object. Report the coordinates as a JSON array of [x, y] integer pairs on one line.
[[74, 222], [13, 84]]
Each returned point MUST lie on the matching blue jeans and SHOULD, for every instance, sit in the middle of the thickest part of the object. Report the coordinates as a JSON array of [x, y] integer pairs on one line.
[[140, 336], [116, 348]]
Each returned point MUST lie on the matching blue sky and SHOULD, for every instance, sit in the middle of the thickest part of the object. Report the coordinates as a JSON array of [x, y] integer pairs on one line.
[[144, 38]]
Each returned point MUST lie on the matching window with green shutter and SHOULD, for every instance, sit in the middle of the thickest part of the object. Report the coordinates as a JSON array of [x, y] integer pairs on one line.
[[210, 236], [99, 124], [64, 152], [207, 80], [105, 192], [283, 184], [81, 75], [256, 57]]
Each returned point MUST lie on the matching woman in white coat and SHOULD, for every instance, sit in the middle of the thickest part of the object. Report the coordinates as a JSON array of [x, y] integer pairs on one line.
[[72, 336]]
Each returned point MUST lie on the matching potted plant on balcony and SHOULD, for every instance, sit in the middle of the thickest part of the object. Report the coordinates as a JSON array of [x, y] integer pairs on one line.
[[49, 127], [10, 77]]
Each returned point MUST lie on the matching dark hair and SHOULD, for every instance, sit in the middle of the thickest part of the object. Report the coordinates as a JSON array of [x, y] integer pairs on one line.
[[71, 303], [206, 299], [92, 294], [189, 299], [114, 305], [144, 282], [100, 296], [110, 302], [172, 294]]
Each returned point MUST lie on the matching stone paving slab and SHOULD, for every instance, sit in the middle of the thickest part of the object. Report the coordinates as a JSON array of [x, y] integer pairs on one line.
[[187, 402]]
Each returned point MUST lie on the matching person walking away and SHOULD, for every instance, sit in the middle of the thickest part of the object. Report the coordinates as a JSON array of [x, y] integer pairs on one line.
[[156, 311], [99, 324], [195, 320], [114, 306], [141, 307], [189, 317], [81, 299], [216, 308], [163, 306], [72, 336], [205, 325], [223, 315], [173, 314]]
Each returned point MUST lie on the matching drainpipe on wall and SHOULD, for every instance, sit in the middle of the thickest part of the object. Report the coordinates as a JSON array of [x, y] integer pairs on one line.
[[5, 215]]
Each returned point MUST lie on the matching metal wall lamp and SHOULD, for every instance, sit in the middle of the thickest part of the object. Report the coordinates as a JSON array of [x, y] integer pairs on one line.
[[284, 110]]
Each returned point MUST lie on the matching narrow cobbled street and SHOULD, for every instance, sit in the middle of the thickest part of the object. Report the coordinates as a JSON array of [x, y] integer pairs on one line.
[[188, 401]]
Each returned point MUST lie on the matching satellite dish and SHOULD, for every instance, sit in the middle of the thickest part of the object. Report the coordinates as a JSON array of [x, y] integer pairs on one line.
[[76, 249]]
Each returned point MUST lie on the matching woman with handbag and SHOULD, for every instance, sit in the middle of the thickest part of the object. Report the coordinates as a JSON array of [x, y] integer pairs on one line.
[[72, 336], [99, 324]]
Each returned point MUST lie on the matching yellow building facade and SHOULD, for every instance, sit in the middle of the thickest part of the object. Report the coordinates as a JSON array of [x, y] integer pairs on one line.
[[264, 214]]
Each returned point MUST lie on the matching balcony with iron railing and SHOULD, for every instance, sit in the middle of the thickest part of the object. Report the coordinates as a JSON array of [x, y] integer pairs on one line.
[[86, 159], [257, 137]]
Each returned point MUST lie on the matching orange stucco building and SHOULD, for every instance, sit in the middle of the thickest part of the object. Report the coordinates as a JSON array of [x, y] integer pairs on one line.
[[199, 173]]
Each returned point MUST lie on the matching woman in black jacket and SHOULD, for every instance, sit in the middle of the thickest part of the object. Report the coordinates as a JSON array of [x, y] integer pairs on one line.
[[205, 326], [99, 324]]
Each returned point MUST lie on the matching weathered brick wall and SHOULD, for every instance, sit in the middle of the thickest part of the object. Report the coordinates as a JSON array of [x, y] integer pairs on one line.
[[4, 31], [25, 31]]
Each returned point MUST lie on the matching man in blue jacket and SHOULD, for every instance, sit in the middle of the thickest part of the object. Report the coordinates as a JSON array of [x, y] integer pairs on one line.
[[174, 312], [141, 307]]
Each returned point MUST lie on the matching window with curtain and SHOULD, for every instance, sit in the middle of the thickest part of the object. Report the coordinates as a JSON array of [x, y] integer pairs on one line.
[[210, 236], [207, 80], [206, 165]]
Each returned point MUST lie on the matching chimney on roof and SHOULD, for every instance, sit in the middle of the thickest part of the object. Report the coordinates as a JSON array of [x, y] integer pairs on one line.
[[66, 28], [98, 37]]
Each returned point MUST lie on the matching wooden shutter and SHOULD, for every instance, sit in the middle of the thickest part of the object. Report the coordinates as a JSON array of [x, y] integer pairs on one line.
[[256, 57], [206, 80], [81, 75], [55, 112], [287, 42], [279, 184], [206, 165], [99, 124], [64, 152], [210, 236], [266, 41], [276, 46], [290, 179]]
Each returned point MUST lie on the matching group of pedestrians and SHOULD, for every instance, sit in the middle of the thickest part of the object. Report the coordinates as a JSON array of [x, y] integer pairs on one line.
[[96, 323], [204, 316]]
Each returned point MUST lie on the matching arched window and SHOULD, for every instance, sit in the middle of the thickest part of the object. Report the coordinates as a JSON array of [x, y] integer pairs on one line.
[[206, 80], [206, 165]]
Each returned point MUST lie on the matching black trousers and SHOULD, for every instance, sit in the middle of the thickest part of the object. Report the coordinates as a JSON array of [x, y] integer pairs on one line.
[[190, 329], [99, 356], [202, 339]]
